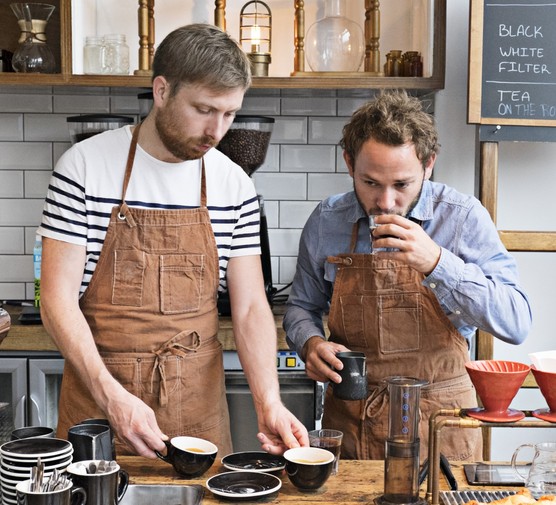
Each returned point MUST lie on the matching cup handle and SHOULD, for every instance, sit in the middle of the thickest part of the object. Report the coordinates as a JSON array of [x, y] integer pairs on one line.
[[514, 459], [79, 491], [122, 486], [161, 456]]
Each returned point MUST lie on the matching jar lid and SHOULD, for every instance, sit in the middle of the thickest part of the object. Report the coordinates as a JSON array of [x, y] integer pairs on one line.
[[253, 119], [100, 118]]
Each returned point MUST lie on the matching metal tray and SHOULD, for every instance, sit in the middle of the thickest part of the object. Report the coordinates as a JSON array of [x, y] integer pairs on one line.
[[139, 494], [462, 497]]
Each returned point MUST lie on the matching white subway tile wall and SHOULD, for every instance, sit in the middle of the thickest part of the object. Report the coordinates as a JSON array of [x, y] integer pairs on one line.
[[303, 165]]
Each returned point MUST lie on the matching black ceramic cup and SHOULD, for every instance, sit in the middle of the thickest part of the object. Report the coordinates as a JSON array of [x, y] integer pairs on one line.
[[354, 376], [102, 487], [308, 467], [190, 456], [69, 495]]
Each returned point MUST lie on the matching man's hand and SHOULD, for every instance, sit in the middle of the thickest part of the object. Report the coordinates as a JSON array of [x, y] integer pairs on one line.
[[320, 357], [134, 423], [414, 247], [280, 430]]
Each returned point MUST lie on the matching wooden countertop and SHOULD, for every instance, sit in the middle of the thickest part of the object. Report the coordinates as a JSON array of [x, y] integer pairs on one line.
[[357, 482], [34, 337]]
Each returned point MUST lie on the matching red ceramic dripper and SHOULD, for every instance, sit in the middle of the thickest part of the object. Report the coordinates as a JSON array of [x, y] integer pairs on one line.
[[547, 384], [497, 382]]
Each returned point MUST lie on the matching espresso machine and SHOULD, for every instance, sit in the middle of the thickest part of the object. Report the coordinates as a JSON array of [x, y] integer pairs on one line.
[[246, 143]]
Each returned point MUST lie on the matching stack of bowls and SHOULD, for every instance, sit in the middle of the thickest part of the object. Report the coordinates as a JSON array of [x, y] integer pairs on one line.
[[19, 456]]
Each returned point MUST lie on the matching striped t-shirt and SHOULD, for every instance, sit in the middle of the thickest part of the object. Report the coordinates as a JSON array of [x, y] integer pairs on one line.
[[87, 184]]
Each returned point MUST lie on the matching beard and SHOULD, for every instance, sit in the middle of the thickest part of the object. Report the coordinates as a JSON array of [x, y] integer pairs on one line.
[[171, 136], [401, 212]]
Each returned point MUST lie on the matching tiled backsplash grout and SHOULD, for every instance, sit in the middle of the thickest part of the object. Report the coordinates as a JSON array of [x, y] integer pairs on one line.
[[303, 164]]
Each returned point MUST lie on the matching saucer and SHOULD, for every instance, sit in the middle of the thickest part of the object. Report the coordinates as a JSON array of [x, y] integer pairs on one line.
[[32, 448], [545, 415], [243, 485], [255, 461], [509, 416]]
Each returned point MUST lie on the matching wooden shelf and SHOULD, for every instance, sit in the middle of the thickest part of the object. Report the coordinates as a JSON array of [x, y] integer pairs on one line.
[[297, 82], [62, 39]]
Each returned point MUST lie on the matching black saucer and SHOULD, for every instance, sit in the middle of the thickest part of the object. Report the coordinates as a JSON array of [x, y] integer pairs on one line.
[[243, 485], [256, 461]]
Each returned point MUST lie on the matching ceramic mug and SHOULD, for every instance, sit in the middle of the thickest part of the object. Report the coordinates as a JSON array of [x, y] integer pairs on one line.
[[103, 487], [66, 496], [354, 376]]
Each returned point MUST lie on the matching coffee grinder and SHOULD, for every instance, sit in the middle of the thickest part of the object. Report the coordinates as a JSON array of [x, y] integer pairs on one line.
[[246, 143]]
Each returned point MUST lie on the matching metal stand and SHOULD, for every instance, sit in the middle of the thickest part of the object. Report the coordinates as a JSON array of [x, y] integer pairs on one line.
[[462, 421]]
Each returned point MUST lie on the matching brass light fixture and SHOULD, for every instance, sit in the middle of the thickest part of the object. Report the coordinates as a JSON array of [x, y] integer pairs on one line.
[[255, 20]]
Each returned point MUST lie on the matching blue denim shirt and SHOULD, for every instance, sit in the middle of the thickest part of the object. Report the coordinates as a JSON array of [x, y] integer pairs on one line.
[[475, 281]]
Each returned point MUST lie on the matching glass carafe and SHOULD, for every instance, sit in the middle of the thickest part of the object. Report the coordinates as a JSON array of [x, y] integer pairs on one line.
[[33, 53], [334, 43]]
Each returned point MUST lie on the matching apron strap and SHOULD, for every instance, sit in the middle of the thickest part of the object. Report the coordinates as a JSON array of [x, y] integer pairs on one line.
[[203, 184], [354, 234], [124, 213], [130, 158]]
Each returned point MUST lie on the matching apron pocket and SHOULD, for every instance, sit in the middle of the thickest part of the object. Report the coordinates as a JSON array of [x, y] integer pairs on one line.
[[399, 323], [129, 269], [181, 282]]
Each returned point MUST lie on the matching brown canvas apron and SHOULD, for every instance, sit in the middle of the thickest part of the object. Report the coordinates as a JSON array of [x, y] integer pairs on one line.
[[380, 307], [151, 306]]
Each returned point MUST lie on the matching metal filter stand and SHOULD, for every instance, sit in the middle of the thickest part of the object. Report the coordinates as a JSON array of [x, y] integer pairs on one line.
[[462, 421]]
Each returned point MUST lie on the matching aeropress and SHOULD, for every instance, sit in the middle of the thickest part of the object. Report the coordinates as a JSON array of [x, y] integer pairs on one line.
[[401, 462]]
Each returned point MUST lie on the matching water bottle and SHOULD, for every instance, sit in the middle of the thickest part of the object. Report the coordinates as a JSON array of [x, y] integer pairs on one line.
[[37, 259]]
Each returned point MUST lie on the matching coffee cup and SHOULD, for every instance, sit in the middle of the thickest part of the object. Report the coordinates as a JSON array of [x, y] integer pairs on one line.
[[32, 432], [106, 486], [190, 456], [354, 376], [65, 496], [308, 467]]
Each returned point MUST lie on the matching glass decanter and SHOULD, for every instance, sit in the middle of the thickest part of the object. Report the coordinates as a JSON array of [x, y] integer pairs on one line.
[[33, 53], [334, 43]]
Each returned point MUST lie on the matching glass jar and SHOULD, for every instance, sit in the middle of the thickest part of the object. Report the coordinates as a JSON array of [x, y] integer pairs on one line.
[[334, 43], [93, 55], [116, 55]]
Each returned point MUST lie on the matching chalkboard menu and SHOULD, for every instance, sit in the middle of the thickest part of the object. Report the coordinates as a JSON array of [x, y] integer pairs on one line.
[[512, 62]]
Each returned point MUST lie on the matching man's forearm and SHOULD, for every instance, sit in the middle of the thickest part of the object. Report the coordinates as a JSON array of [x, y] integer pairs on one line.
[[255, 337]]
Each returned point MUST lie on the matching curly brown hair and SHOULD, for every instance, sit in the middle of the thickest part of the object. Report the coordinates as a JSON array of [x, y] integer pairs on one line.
[[393, 118]]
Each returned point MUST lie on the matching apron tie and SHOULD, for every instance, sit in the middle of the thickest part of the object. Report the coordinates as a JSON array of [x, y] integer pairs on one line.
[[171, 348]]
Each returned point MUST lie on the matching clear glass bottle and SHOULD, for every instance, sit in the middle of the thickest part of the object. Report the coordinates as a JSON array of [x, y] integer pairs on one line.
[[116, 56], [93, 55], [334, 43]]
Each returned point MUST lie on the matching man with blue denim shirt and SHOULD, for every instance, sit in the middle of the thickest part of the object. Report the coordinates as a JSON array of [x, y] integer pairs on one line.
[[412, 308]]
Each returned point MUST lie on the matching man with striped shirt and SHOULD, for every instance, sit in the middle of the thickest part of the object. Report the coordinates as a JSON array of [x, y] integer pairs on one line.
[[141, 228]]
